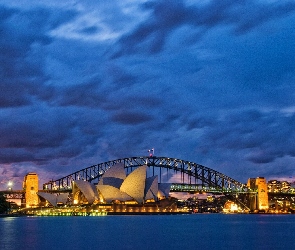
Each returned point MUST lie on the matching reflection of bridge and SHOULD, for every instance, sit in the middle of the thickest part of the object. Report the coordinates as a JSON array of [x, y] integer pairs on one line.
[[191, 175]]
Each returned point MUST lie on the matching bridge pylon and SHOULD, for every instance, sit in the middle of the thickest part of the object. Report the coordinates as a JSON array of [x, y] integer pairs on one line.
[[258, 200]]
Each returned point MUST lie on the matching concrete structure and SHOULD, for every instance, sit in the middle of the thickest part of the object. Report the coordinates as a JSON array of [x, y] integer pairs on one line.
[[31, 187], [260, 200], [84, 191], [54, 199], [116, 187]]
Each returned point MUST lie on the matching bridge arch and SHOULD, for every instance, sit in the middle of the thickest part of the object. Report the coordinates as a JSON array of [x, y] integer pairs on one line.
[[190, 173]]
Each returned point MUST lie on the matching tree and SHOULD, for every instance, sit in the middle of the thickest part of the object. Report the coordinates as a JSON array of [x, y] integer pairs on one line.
[[4, 205]]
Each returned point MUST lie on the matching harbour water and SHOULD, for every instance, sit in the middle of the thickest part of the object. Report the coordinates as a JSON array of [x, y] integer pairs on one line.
[[196, 231]]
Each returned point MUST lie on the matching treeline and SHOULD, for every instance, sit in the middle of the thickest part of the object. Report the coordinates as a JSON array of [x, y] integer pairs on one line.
[[4, 205]]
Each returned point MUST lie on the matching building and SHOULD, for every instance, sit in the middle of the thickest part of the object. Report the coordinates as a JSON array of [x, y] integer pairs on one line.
[[260, 200], [117, 187], [31, 187], [117, 192], [275, 186]]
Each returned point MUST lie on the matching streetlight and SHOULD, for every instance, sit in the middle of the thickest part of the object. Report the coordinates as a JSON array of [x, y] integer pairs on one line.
[[9, 184]]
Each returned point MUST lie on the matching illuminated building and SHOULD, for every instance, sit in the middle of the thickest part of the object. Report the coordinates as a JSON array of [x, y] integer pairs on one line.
[[285, 186], [120, 193], [230, 207], [31, 186], [259, 201], [54, 199], [116, 186], [84, 192], [274, 186]]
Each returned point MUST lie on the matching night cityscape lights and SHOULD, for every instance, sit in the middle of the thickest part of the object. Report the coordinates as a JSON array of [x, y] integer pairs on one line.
[[118, 193]]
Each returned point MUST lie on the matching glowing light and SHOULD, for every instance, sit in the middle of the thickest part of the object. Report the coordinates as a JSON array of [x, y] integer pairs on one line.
[[10, 184]]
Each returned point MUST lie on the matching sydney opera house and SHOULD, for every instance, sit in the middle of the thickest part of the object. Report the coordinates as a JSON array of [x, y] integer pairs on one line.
[[117, 192]]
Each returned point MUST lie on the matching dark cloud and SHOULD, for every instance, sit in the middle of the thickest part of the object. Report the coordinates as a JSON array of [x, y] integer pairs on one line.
[[167, 16], [253, 17], [16, 156], [199, 122], [23, 33], [85, 95], [119, 77], [131, 118], [263, 136], [40, 134], [210, 82]]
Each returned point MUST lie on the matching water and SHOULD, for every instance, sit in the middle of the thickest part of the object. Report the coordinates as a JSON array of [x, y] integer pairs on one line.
[[199, 231]]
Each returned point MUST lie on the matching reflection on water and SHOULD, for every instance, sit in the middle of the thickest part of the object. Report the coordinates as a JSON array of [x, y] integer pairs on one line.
[[199, 231]]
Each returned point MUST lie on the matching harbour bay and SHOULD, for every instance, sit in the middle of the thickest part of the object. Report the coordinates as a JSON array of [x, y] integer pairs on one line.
[[197, 231]]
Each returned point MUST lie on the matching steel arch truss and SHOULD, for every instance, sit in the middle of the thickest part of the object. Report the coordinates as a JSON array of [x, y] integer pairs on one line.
[[191, 174]]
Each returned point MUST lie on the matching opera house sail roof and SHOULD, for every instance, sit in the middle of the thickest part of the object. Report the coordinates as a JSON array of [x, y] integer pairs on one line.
[[88, 189], [151, 188], [54, 199], [134, 184], [115, 185]]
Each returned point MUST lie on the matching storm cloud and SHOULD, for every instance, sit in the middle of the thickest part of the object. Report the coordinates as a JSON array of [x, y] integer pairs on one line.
[[205, 81]]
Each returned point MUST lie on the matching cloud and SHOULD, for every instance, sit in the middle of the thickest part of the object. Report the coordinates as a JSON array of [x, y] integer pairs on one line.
[[204, 81], [258, 134], [131, 117], [23, 35], [166, 16], [81, 95]]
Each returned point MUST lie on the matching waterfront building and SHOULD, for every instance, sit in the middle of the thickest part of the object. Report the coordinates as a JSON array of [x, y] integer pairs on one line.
[[117, 187], [275, 186], [285, 186], [117, 192], [31, 187], [53, 199]]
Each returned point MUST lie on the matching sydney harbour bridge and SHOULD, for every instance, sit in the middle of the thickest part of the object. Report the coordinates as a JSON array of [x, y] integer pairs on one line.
[[192, 177]]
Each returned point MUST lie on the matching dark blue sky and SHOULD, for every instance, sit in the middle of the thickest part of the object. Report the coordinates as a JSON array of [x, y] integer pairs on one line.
[[207, 81]]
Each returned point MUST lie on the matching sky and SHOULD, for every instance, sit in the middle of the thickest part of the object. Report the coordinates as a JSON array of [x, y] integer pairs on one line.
[[207, 81]]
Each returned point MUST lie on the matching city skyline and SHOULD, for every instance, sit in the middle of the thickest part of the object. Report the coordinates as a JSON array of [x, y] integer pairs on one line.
[[208, 81]]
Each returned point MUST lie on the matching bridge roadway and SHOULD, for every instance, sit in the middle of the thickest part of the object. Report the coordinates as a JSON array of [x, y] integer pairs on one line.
[[175, 187], [13, 194]]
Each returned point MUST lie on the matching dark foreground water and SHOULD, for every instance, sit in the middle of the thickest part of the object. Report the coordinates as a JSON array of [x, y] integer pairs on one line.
[[199, 231]]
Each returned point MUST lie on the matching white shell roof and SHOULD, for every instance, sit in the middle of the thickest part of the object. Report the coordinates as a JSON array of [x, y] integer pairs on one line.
[[112, 181], [165, 188], [54, 199], [88, 190], [63, 198], [134, 184], [117, 171], [51, 198], [151, 188], [110, 193]]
